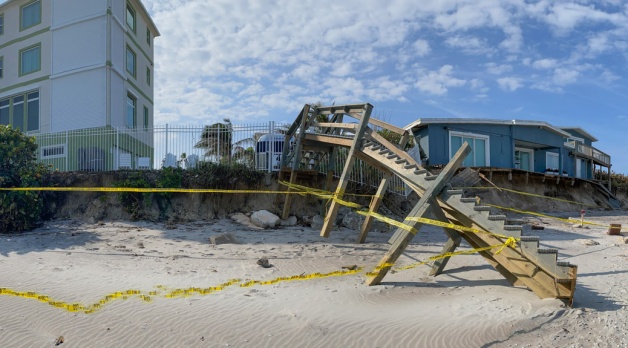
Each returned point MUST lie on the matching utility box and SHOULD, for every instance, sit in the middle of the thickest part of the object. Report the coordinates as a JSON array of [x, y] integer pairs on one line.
[[268, 150]]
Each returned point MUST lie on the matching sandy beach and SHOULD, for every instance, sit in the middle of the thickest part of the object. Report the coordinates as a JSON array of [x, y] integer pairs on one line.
[[184, 291]]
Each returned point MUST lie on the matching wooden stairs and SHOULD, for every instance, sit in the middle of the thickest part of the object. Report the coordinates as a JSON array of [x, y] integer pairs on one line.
[[526, 264]]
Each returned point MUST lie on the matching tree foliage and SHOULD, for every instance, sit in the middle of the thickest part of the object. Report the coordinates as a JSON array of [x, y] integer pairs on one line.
[[19, 210], [216, 139]]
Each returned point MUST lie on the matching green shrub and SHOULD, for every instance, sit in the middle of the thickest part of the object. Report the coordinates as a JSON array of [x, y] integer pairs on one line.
[[19, 210], [134, 202]]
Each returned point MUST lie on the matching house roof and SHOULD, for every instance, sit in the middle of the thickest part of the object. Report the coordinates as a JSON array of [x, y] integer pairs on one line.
[[427, 121], [581, 131]]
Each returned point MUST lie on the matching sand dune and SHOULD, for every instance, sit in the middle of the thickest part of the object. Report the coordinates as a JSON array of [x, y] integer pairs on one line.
[[470, 305]]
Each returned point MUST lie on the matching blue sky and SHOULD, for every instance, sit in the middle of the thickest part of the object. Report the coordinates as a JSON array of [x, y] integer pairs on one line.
[[563, 62]]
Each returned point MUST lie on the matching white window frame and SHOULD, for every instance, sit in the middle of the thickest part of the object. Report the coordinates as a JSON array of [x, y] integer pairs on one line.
[[487, 145], [63, 147], [531, 152], [126, 115], [552, 154], [132, 26]]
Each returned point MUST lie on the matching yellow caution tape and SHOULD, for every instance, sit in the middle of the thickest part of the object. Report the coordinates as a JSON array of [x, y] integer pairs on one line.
[[388, 220], [175, 293], [569, 221], [510, 242], [525, 194]]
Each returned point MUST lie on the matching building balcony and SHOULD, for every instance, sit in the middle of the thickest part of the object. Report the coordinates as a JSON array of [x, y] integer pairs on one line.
[[592, 153]]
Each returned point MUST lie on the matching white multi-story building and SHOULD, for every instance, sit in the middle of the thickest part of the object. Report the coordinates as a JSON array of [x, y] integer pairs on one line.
[[71, 65]]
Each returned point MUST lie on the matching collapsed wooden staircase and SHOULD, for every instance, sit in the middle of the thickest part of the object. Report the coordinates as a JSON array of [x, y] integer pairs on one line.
[[524, 265]]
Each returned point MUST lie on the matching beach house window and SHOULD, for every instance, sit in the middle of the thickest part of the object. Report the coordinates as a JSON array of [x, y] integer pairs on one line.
[[145, 117], [4, 111], [480, 153], [148, 36], [1, 23], [130, 61], [130, 17], [148, 76], [30, 59], [1, 66], [30, 14], [552, 161], [131, 103]]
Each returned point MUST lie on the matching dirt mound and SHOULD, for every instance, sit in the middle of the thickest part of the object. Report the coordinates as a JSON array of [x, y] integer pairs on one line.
[[184, 207]]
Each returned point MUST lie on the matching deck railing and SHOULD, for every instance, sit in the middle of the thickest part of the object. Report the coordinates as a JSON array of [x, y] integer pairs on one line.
[[593, 153]]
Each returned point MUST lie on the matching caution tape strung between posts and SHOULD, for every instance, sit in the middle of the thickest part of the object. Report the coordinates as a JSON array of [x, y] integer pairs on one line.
[[524, 193], [569, 221], [510, 242]]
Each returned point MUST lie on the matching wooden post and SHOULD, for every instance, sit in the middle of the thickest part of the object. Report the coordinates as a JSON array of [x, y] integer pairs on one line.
[[296, 159], [375, 202], [381, 191], [420, 209], [344, 178], [452, 243]]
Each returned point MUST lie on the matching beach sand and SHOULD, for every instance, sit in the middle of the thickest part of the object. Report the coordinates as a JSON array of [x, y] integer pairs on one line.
[[470, 305]]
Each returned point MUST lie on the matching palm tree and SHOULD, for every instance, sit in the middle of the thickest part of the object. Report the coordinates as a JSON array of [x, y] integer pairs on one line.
[[216, 140]]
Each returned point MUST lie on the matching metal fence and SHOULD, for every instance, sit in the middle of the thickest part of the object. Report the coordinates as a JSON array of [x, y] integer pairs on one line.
[[108, 148]]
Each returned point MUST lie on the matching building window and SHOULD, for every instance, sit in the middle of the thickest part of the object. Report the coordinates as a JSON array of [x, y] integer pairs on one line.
[[131, 102], [32, 111], [148, 36], [30, 59], [4, 112], [147, 76], [55, 151], [30, 15], [552, 161], [1, 67], [130, 17], [1, 23], [145, 117], [21, 111], [130, 61], [480, 149]]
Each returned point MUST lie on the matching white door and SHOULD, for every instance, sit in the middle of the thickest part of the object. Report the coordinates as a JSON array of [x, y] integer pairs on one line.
[[578, 168]]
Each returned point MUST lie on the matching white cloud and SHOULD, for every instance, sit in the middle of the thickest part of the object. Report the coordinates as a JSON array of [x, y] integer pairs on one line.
[[564, 76], [469, 45], [498, 69], [230, 56], [421, 48], [341, 68], [510, 83], [438, 82], [545, 63]]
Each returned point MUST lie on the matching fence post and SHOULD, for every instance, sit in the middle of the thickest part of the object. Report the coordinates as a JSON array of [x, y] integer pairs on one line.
[[67, 152], [117, 164], [271, 132], [166, 154]]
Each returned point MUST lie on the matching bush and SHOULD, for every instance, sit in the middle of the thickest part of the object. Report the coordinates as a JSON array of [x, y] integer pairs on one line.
[[19, 210]]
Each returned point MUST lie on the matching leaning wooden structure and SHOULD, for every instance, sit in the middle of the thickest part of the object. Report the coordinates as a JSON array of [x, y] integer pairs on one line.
[[524, 265]]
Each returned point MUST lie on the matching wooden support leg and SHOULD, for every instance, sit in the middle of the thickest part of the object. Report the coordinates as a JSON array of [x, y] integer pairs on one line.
[[377, 200], [344, 178], [420, 209], [288, 200], [450, 246]]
